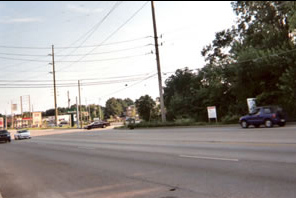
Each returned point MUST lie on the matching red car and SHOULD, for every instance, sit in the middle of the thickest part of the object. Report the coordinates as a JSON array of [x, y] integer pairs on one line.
[[101, 124]]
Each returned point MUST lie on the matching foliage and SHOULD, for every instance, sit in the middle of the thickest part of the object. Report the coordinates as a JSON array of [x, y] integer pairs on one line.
[[230, 119], [254, 58], [117, 106], [165, 124], [128, 101], [114, 107], [146, 107]]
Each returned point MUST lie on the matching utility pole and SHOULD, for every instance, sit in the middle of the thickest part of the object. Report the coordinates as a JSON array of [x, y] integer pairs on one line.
[[54, 87], [21, 107], [163, 118], [30, 114], [100, 111], [80, 103], [12, 116], [77, 113], [68, 100]]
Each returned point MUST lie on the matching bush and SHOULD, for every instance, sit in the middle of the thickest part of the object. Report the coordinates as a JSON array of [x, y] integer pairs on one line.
[[230, 119], [181, 122]]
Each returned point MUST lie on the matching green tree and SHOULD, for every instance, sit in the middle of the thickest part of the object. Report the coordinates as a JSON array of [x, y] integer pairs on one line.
[[256, 53], [113, 107], [145, 106], [128, 101]]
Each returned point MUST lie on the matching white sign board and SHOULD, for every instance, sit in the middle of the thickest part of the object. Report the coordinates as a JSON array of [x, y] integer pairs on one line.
[[251, 104], [13, 107], [212, 112]]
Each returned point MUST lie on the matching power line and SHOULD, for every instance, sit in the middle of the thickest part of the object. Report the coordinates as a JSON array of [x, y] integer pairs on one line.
[[19, 59], [108, 52], [75, 80], [107, 44], [98, 53], [10, 54], [94, 28], [110, 36], [98, 60], [107, 59], [91, 32], [19, 47], [69, 84], [119, 90]]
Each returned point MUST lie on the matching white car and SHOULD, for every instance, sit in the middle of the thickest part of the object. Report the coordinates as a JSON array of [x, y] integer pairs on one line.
[[22, 134]]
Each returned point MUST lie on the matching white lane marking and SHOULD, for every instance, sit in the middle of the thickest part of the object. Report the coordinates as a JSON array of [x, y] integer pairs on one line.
[[0, 195], [211, 158], [86, 148]]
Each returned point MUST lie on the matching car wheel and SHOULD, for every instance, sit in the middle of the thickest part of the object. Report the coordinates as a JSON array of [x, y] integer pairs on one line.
[[104, 126], [244, 124], [268, 123]]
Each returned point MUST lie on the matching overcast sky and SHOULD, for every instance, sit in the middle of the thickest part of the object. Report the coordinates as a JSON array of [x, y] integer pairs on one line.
[[106, 45]]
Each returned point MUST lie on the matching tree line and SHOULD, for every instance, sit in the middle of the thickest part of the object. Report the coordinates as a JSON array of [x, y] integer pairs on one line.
[[255, 58]]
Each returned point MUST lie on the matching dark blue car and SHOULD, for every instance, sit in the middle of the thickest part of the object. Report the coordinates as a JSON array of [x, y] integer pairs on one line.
[[267, 115]]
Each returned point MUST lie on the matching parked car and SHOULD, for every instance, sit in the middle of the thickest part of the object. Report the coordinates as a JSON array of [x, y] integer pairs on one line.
[[22, 134], [5, 136], [266, 115], [101, 124], [63, 124], [51, 125]]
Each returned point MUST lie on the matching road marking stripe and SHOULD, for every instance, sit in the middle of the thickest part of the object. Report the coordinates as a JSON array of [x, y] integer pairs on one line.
[[0, 195], [86, 148], [211, 158]]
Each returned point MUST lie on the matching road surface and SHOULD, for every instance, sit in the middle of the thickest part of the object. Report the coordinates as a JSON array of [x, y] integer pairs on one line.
[[199, 162]]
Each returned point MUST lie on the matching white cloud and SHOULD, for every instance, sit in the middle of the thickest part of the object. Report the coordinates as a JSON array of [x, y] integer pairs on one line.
[[83, 10], [8, 20]]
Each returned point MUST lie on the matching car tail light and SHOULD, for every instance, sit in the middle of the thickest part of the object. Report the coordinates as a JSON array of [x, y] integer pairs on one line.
[[274, 115]]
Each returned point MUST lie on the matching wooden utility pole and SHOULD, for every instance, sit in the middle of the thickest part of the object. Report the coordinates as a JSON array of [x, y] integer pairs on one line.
[[68, 100], [80, 103], [77, 113], [21, 106], [30, 113], [12, 124], [100, 111], [163, 118], [54, 87]]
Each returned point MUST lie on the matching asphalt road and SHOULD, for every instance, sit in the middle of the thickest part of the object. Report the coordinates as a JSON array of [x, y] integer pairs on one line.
[[152, 163]]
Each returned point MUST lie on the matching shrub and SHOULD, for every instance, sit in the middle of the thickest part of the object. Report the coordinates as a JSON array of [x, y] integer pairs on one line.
[[230, 119]]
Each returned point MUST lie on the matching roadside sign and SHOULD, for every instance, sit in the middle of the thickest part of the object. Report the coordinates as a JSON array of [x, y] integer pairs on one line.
[[1, 123], [251, 104], [13, 107], [212, 114]]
